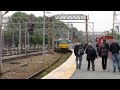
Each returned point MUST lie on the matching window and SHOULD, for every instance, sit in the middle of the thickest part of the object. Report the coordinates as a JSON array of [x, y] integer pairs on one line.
[[64, 41]]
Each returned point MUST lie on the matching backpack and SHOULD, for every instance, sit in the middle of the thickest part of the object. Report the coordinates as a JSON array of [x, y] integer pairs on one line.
[[90, 51], [80, 51], [104, 48]]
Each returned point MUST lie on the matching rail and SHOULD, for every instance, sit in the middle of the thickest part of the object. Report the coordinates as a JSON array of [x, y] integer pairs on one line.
[[21, 55]]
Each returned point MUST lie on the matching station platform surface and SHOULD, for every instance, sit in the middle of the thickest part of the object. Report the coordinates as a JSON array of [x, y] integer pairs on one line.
[[68, 70], [99, 73]]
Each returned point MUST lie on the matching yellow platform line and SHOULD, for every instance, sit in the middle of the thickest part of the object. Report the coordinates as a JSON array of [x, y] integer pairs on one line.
[[69, 73], [65, 71]]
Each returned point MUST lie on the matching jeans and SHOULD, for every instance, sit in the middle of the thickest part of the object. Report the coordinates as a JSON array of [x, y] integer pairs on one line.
[[78, 61], [104, 62], [116, 61]]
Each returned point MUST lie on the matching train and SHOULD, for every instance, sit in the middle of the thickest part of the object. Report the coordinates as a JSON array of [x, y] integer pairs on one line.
[[62, 45]]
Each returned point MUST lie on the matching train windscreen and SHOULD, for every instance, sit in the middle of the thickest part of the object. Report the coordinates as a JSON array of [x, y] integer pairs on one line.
[[64, 41]]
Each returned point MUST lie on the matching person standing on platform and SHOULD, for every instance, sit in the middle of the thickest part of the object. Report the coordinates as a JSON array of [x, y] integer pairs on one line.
[[104, 48], [91, 55], [114, 48], [79, 51]]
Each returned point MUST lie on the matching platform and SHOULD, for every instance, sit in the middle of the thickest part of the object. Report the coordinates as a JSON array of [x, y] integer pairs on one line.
[[99, 73], [68, 70]]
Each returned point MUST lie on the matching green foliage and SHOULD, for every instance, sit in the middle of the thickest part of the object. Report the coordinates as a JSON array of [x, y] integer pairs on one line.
[[19, 14], [36, 38], [7, 34]]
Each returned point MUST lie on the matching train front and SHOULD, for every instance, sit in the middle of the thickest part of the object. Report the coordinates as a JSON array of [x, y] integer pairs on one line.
[[64, 44]]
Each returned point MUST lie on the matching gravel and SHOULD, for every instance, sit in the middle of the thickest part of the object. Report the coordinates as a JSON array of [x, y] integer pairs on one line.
[[23, 68]]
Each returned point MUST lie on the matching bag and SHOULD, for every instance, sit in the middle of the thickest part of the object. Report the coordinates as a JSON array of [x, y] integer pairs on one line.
[[80, 51], [90, 51], [104, 48]]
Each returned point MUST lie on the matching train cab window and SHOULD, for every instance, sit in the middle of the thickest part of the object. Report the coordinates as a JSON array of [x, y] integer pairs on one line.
[[64, 41]]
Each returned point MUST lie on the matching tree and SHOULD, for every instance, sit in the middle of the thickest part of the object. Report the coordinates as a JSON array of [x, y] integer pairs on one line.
[[19, 20], [35, 36], [13, 25]]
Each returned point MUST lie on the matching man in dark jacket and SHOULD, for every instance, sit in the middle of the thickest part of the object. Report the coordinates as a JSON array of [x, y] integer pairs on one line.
[[78, 57], [91, 55], [104, 48], [114, 48]]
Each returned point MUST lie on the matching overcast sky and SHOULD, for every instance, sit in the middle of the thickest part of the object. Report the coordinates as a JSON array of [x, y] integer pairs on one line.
[[103, 20]]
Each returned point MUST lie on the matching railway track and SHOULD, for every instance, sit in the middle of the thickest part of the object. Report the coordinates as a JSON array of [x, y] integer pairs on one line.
[[14, 68], [37, 73], [15, 57], [10, 53], [20, 66]]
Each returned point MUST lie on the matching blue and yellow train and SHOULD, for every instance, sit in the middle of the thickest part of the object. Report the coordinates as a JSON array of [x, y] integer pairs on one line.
[[62, 45]]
